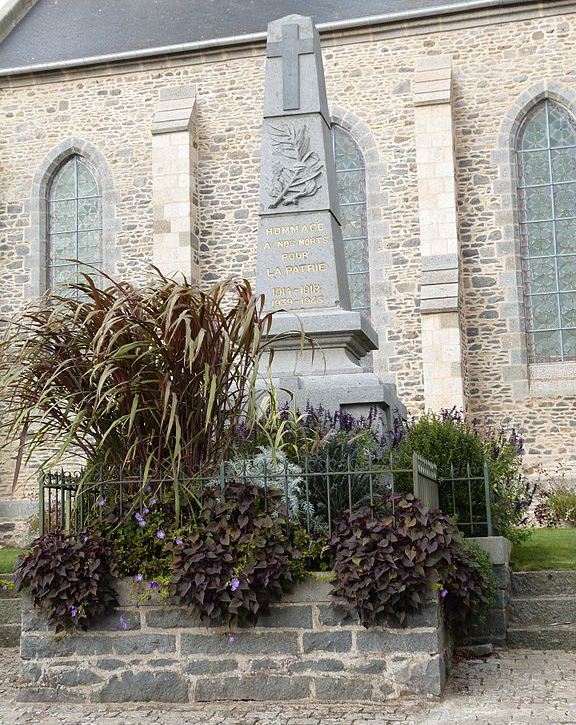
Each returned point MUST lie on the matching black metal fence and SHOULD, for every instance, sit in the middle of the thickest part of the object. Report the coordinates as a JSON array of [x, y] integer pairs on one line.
[[316, 493]]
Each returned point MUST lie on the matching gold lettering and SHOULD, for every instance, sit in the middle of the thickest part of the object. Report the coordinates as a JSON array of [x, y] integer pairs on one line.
[[294, 255]]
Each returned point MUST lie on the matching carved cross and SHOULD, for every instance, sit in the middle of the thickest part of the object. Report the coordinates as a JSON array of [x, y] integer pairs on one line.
[[290, 48]]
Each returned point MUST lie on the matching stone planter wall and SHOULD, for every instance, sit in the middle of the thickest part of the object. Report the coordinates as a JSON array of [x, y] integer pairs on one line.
[[493, 629], [307, 649]]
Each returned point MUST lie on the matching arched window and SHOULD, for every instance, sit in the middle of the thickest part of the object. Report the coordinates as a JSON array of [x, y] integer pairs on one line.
[[74, 222], [546, 156], [351, 185]]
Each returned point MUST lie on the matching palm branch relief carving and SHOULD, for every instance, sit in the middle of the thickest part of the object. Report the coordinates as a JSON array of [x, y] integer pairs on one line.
[[297, 175]]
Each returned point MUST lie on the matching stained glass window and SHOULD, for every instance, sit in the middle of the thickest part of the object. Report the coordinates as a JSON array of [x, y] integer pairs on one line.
[[351, 185], [546, 155], [74, 222]]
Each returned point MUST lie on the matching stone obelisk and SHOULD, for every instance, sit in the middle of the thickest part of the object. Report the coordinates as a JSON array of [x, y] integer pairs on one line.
[[300, 263]]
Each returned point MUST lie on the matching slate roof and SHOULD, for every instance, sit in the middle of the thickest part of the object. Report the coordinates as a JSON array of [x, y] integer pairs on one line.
[[57, 31]]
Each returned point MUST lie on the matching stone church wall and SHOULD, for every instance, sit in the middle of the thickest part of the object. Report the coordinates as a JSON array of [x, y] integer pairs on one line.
[[369, 78]]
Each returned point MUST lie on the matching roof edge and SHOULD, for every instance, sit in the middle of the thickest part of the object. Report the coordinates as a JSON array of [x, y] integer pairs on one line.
[[235, 40], [14, 11]]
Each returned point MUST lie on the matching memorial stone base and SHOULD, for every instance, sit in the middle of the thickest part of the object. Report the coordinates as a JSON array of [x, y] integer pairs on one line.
[[306, 650]]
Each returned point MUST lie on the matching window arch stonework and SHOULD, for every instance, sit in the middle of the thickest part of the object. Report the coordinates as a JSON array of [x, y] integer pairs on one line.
[[546, 180], [39, 231], [375, 173], [74, 222], [526, 375]]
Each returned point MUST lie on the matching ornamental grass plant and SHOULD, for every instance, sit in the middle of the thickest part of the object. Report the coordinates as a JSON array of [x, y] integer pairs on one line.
[[149, 380]]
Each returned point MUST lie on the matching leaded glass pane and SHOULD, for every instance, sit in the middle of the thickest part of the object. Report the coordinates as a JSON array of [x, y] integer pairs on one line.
[[346, 152], [542, 275], [64, 274], [87, 184], [74, 223], [562, 128], [89, 246], [569, 344], [547, 191], [537, 202], [534, 134], [534, 168], [353, 218], [62, 247], [566, 236], [356, 251], [63, 216], [565, 200], [351, 187], [64, 184], [359, 290], [566, 273], [546, 346], [539, 238], [545, 311], [88, 213], [564, 164], [568, 309]]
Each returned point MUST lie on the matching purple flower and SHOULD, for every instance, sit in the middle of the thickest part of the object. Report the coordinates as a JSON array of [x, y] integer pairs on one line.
[[179, 542], [123, 623], [138, 578], [153, 502], [4, 587], [443, 592], [73, 612], [85, 538], [140, 519], [231, 639], [146, 511], [234, 584], [160, 534], [101, 501], [154, 585]]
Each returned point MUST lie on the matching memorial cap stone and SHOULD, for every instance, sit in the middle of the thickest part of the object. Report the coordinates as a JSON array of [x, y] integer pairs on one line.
[[294, 71]]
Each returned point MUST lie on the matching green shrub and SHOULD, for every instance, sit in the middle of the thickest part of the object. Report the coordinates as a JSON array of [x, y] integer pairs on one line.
[[562, 505], [459, 448], [470, 587]]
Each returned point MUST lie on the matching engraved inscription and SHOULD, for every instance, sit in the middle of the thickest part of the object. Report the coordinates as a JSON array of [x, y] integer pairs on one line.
[[292, 251]]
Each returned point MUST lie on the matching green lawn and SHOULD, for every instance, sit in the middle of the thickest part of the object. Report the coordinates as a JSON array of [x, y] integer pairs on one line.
[[7, 559], [546, 549]]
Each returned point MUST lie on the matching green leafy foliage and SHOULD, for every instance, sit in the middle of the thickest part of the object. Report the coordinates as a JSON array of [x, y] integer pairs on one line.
[[391, 560], [470, 585], [69, 577], [138, 379], [140, 549], [236, 560], [460, 448]]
